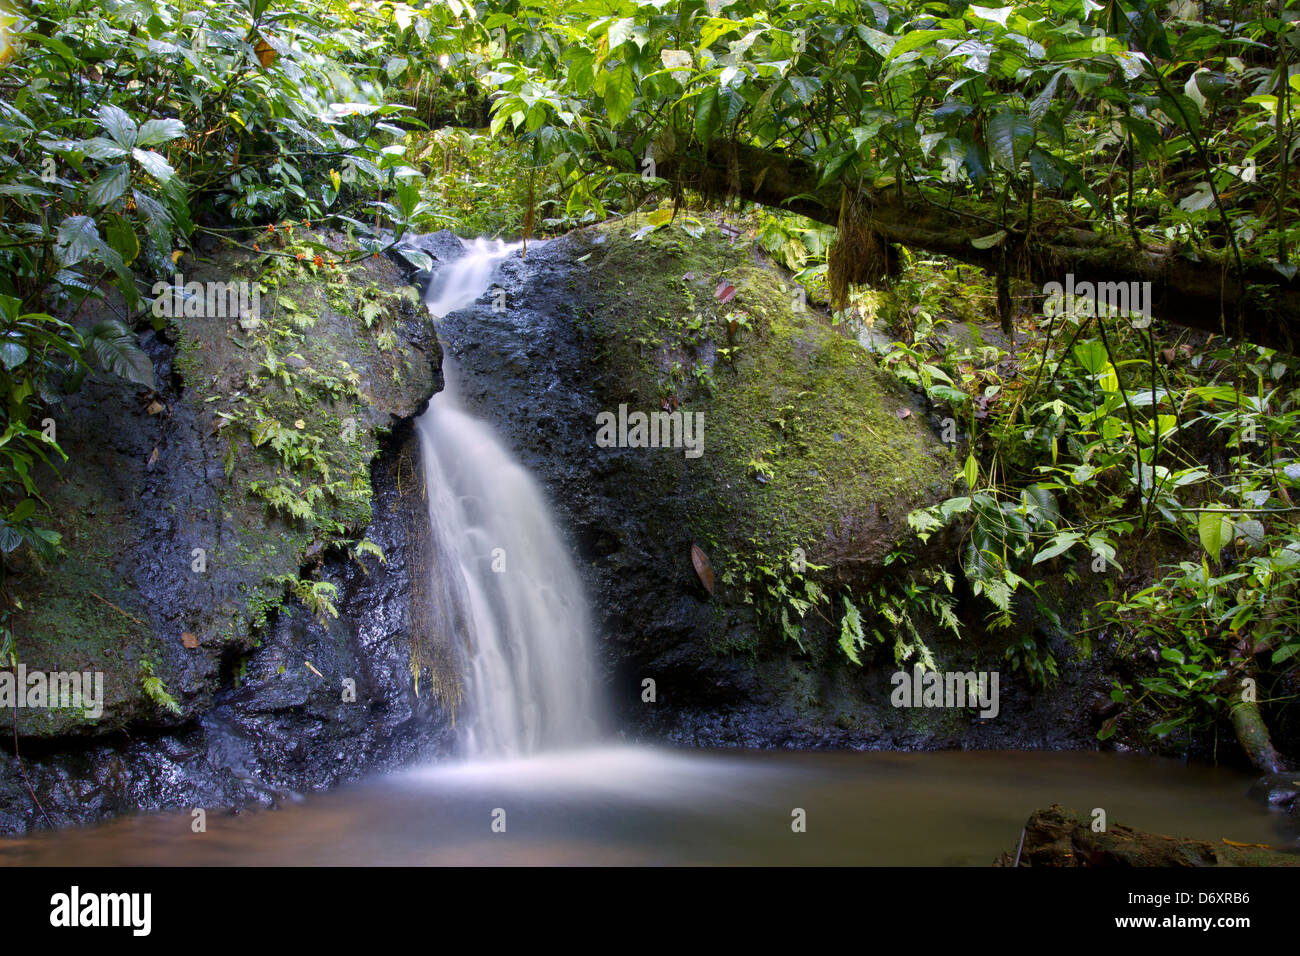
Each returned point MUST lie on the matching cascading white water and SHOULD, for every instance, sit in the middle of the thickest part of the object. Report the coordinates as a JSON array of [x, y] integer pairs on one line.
[[503, 580]]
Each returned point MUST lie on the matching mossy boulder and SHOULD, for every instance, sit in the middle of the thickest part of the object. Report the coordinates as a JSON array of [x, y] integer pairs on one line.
[[806, 443], [187, 513], [812, 458]]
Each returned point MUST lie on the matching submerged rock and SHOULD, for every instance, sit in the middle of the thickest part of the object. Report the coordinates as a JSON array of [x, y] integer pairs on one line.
[[1057, 837]]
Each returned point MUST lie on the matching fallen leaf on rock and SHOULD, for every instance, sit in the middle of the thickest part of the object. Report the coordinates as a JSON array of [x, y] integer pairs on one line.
[[702, 567], [904, 413], [189, 640], [313, 670]]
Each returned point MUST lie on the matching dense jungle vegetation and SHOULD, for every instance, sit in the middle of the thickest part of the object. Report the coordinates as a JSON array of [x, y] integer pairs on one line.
[[914, 165]]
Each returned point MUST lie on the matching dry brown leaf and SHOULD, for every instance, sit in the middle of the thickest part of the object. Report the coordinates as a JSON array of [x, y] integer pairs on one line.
[[190, 640], [265, 54], [702, 567]]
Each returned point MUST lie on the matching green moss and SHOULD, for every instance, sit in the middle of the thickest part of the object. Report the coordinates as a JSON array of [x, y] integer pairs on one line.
[[786, 397], [291, 407]]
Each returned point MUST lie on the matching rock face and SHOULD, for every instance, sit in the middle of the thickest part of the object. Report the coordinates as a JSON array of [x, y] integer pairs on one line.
[[1057, 837], [810, 456], [182, 553], [278, 454]]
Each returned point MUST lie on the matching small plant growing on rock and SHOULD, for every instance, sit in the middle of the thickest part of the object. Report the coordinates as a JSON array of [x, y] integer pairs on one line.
[[154, 689]]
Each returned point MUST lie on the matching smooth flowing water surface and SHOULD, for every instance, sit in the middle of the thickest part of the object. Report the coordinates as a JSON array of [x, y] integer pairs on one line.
[[639, 805]]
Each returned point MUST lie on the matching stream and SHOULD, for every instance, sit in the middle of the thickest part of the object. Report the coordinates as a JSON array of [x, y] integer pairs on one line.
[[639, 805]]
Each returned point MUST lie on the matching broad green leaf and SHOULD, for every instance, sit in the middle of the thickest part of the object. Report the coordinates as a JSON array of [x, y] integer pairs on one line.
[[1091, 355], [12, 354], [1215, 531], [1060, 544], [119, 126], [706, 115], [154, 164], [155, 131], [916, 39], [620, 88], [117, 351], [110, 185], [1010, 134], [999, 15], [989, 241], [77, 238], [101, 148]]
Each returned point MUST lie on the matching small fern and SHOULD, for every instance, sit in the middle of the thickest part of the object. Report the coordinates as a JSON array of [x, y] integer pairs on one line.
[[155, 690]]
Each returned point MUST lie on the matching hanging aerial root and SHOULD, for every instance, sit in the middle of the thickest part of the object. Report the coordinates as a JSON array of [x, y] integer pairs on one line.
[[858, 256]]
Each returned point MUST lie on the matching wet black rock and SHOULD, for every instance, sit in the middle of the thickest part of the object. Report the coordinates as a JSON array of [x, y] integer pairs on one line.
[[539, 371]]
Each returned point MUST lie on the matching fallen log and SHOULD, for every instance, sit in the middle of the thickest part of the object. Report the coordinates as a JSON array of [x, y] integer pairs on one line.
[[1194, 291]]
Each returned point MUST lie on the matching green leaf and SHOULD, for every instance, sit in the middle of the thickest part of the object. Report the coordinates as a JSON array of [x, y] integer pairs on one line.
[[155, 131], [77, 238], [117, 351], [154, 164], [1091, 355], [620, 88], [999, 15], [851, 636], [706, 115], [1215, 531], [1045, 169], [110, 185], [971, 471], [1166, 727], [1010, 134], [1038, 108], [1062, 543], [12, 355], [9, 538], [916, 39], [122, 239], [100, 148], [118, 125], [989, 241]]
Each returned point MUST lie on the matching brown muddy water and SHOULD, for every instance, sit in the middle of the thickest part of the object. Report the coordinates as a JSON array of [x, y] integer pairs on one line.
[[641, 805]]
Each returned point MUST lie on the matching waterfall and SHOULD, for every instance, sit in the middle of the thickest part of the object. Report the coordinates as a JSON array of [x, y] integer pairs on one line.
[[503, 582]]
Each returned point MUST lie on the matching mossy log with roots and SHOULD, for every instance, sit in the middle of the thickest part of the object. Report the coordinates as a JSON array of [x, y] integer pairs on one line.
[[1192, 290]]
